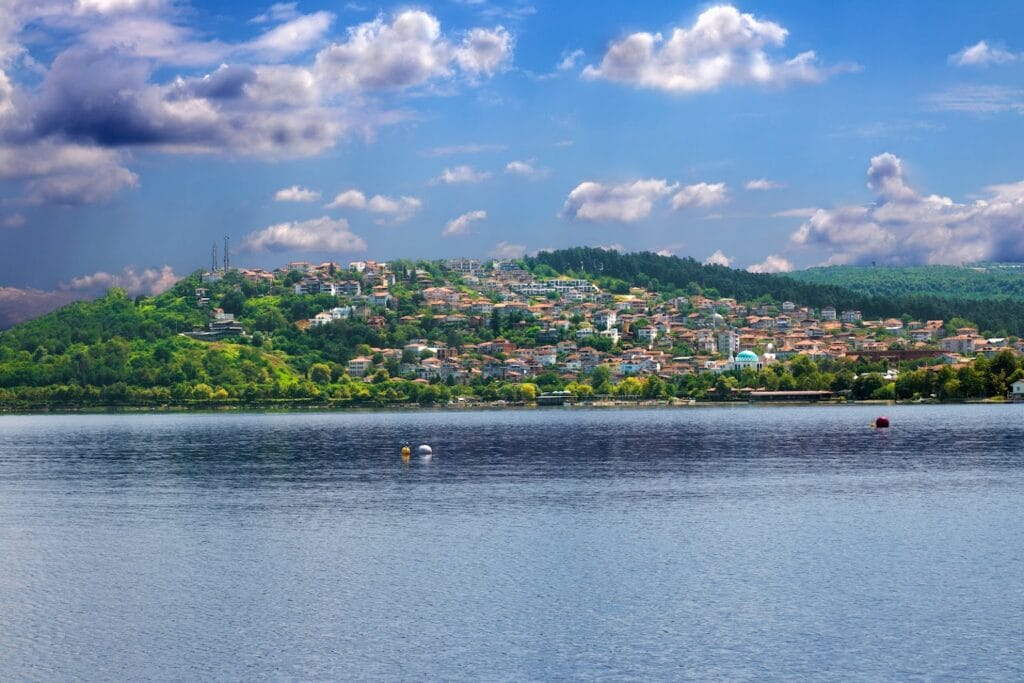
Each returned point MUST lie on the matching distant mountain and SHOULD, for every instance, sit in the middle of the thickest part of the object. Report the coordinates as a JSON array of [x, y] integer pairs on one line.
[[988, 281]]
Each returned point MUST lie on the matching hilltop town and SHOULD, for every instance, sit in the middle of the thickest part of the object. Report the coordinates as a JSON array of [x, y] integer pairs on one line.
[[465, 330], [496, 320]]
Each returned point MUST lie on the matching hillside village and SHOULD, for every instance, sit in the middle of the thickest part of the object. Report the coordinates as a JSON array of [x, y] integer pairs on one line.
[[496, 320]]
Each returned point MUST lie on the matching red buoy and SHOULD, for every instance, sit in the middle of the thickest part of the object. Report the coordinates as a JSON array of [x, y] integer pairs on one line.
[[881, 422]]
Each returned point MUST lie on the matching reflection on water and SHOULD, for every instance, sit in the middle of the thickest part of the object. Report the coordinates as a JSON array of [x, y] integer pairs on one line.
[[561, 543]]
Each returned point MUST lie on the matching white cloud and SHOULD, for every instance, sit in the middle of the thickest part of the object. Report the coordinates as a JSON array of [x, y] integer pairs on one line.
[[983, 54], [473, 148], [526, 169], [461, 174], [508, 250], [293, 37], [723, 47], [800, 212], [67, 174], [701, 194], [296, 194], [279, 11], [570, 60], [318, 234], [771, 264], [150, 281], [904, 227], [670, 249], [408, 52], [461, 225], [763, 185], [978, 99], [401, 209], [625, 203], [483, 51], [105, 89], [115, 6], [719, 259], [349, 199]]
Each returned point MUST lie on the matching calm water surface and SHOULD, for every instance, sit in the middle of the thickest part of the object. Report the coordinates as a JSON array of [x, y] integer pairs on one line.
[[739, 544]]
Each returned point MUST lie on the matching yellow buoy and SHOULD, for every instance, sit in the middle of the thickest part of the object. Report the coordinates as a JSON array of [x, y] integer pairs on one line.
[[406, 452]]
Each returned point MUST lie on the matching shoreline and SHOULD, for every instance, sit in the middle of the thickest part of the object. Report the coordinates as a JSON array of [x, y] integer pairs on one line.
[[292, 407]]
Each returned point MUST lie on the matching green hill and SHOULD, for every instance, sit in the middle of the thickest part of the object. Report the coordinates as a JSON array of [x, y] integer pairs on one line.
[[996, 315], [991, 281], [120, 351]]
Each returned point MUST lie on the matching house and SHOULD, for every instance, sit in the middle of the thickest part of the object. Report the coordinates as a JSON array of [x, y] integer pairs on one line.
[[960, 343], [1017, 390], [358, 367]]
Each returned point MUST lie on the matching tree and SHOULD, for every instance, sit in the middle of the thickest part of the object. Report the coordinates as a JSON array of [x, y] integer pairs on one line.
[[654, 388], [319, 373], [600, 379]]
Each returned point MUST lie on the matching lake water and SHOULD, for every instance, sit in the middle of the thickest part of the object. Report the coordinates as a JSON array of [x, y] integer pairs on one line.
[[551, 544]]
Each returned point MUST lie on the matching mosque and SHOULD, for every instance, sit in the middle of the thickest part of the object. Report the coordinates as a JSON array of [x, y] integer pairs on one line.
[[749, 360]]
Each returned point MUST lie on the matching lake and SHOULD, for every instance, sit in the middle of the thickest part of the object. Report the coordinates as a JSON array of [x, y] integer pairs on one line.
[[748, 543]]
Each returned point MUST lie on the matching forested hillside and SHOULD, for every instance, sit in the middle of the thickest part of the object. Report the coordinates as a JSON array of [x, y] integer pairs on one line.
[[996, 281], [611, 268]]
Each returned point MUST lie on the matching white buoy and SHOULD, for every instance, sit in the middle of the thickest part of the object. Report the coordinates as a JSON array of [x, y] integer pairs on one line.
[[424, 449]]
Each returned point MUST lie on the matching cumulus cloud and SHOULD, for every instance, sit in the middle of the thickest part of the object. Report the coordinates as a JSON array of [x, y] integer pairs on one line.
[[701, 194], [772, 264], [983, 54], [723, 47], [904, 227], [526, 169], [66, 174], [149, 281], [318, 234], [763, 185], [461, 225], [408, 51], [296, 194], [292, 37], [507, 250], [624, 203], [223, 111], [106, 90], [460, 175], [719, 259], [399, 209]]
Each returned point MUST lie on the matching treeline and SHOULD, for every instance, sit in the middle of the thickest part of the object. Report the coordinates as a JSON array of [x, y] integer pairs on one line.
[[685, 275], [985, 282]]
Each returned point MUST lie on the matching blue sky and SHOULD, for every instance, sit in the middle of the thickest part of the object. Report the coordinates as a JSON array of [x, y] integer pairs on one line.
[[765, 135]]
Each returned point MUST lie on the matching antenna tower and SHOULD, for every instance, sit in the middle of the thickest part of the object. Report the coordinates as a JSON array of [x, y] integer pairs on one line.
[[227, 260], [213, 258]]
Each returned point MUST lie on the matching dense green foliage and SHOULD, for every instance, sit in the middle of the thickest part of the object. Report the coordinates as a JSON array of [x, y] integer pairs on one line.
[[685, 275], [995, 281]]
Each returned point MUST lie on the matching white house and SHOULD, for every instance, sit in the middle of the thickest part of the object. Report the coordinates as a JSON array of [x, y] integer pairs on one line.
[[1017, 390]]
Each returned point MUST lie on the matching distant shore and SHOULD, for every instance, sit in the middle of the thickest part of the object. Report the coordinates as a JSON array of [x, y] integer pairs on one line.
[[331, 407]]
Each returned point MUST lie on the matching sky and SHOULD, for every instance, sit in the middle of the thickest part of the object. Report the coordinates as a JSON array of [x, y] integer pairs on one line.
[[769, 136]]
